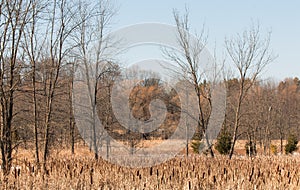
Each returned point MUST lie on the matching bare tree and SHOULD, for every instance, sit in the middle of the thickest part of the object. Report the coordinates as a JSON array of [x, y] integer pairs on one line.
[[190, 64], [33, 48], [70, 75], [60, 28], [106, 81], [94, 20], [250, 54], [13, 18], [72, 119]]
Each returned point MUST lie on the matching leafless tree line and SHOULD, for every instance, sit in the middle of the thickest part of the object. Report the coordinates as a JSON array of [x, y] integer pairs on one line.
[[42, 42]]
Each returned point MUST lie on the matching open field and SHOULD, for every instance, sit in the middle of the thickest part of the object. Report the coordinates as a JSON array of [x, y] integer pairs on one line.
[[81, 171]]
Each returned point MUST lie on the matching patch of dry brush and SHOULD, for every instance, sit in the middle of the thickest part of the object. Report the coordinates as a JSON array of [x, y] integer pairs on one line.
[[179, 173]]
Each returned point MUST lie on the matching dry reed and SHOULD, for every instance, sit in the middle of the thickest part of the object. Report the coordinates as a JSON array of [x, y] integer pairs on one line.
[[195, 172]]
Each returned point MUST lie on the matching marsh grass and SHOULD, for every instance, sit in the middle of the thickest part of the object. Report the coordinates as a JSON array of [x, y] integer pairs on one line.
[[81, 171]]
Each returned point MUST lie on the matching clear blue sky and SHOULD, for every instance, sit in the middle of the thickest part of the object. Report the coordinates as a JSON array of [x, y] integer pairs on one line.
[[226, 18]]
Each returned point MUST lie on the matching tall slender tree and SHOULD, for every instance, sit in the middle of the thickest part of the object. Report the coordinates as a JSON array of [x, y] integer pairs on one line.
[[191, 69], [13, 19], [94, 20], [250, 54]]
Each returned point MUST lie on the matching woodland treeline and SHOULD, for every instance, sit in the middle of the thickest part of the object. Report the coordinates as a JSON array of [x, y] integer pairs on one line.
[[44, 43], [271, 112]]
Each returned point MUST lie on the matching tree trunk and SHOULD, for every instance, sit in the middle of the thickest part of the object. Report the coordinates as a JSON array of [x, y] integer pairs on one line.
[[46, 135], [237, 119], [71, 112], [37, 160]]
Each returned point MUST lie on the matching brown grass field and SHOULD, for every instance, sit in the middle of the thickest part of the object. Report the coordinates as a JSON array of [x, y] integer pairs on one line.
[[81, 171]]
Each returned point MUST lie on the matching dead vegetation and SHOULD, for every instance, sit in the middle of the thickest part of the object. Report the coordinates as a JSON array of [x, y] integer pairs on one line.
[[194, 172]]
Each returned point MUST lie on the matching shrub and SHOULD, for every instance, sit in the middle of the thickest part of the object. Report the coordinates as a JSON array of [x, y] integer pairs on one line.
[[250, 147], [273, 149], [199, 147], [291, 145], [196, 145], [224, 143]]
